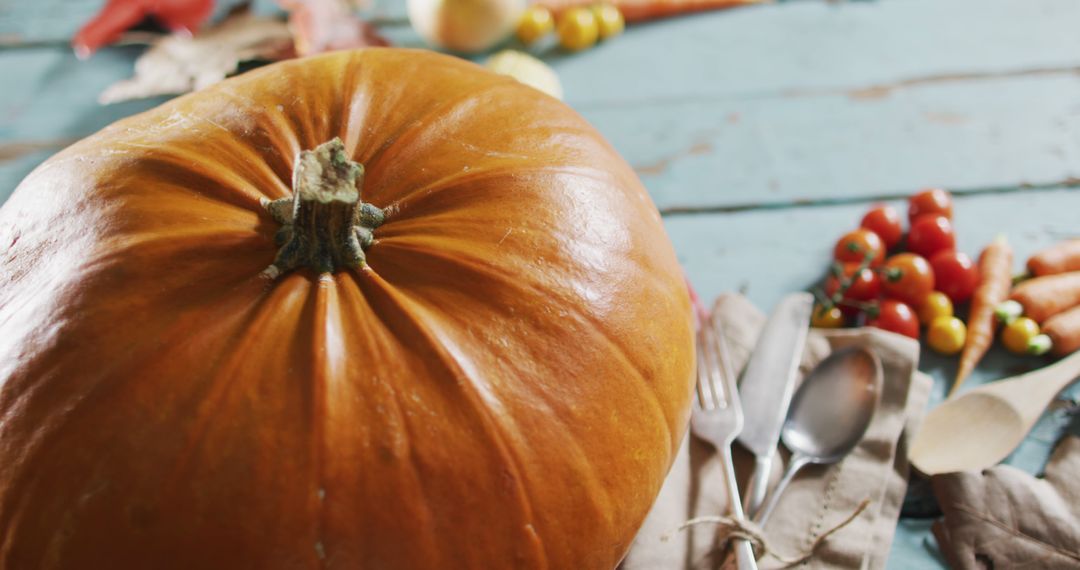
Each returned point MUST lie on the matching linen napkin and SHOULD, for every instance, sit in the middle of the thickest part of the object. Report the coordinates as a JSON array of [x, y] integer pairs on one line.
[[819, 498], [1005, 518]]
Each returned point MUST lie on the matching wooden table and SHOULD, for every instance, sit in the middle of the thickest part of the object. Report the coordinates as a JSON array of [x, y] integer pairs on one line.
[[762, 133]]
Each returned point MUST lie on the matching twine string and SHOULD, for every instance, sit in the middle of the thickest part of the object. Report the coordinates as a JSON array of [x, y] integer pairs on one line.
[[734, 529]]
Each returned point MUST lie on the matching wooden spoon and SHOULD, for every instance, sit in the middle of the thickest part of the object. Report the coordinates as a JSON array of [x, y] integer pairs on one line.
[[979, 428]]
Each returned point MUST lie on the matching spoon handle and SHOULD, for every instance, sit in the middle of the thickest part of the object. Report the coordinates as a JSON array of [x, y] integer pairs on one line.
[[797, 462], [1034, 390]]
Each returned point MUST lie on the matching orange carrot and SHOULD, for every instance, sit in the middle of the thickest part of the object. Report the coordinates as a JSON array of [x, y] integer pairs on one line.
[[643, 10], [1064, 331], [1060, 258], [1044, 297], [995, 279]]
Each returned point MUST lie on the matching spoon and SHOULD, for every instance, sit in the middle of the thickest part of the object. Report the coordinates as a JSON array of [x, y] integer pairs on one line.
[[829, 414], [978, 429]]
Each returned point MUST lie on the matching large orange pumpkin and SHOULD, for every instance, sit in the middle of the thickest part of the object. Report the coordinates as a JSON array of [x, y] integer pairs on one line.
[[502, 382]]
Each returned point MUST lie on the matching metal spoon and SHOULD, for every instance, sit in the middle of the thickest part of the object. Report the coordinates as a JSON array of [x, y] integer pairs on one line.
[[829, 414]]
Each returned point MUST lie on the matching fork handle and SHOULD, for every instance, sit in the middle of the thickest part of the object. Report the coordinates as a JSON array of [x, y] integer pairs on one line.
[[744, 555], [744, 551]]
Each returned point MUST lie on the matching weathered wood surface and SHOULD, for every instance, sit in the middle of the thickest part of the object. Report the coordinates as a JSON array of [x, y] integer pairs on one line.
[[760, 132], [737, 110]]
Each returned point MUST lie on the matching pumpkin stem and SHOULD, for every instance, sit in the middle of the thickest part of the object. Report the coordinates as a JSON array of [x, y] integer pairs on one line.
[[324, 225]]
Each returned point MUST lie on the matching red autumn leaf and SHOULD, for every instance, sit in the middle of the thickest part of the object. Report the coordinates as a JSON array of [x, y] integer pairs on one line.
[[183, 16], [328, 25]]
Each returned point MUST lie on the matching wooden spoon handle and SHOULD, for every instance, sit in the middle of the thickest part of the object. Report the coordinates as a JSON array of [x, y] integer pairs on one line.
[[1049, 380]]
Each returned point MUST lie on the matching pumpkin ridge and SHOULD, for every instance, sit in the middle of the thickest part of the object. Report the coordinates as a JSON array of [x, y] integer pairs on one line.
[[214, 394], [511, 281], [327, 350], [94, 389], [180, 172], [348, 287], [399, 141], [417, 194], [473, 394]]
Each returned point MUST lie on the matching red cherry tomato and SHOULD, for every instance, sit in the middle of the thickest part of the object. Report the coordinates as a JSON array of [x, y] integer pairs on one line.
[[855, 245], [885, 222], [908, 278], [931, 234], [930, 201], [897, 317], [957, 275], [865, 284]]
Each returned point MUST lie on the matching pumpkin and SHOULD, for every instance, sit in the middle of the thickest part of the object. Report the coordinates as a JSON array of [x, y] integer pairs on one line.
[[373, 309]]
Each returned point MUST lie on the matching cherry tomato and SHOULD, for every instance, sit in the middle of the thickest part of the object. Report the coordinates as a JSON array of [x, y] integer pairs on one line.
[[865, 284], [1017, 335], [823, 318], [896, 316], [946, 335], [934, 305], [609, 20], [885, 222], [931, 234], [930, 201], [577, 29], [907, 277], [957, 276], [855, 245], [535, 23]]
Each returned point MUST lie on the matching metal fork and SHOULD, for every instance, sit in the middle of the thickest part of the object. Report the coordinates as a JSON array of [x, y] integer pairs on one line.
[[717, 418]]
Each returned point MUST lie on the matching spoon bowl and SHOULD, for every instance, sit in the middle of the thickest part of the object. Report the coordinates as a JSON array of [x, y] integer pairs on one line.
[[829, 414], [980, 428]]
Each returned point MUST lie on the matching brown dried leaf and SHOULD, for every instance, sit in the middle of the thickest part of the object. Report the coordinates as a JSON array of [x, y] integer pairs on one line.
[[178, 64], [327, 25], [1005, 518]]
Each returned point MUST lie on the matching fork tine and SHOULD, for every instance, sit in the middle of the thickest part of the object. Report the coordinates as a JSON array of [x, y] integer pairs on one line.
[[713, 365], [703, 387], [730, 388]]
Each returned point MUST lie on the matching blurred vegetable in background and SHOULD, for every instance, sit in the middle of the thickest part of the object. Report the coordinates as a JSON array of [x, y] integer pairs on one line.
[[466, 26], [526, 69]]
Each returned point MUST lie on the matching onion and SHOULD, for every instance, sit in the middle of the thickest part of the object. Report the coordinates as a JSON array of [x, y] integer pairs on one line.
[[526, 69], [465, 25]]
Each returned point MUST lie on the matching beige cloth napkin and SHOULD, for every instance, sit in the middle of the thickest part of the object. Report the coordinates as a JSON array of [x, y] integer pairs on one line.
[[820, 497]]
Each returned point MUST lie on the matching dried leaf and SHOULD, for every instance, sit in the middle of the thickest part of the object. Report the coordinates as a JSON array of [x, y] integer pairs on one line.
[[178, 16], [327, 25], [1005, 518], [177, 64]]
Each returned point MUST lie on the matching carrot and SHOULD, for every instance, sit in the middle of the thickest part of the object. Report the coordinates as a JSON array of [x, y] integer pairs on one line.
[[1044, 297], [1064, 331], [1060, 258], [643, 10], [995, 279]]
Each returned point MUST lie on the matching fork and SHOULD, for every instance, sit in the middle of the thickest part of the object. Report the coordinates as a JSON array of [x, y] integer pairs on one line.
[[717, 418]]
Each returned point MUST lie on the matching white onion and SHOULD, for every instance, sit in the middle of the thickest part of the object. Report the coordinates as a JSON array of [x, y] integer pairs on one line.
[[465, 25]]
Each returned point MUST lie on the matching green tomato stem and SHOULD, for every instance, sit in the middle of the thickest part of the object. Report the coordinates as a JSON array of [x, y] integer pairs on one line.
[[1040, 344]]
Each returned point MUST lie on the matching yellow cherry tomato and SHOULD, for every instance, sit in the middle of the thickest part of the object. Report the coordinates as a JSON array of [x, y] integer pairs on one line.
[[535, 23], [577, 29], [935, 304], [823, 318], [1017, 335], [609, 20], [946, 335]]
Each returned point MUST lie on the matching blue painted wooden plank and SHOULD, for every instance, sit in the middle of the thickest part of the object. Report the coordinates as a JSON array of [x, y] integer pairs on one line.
[[852, 48], [1003, 132], [746, 151]]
